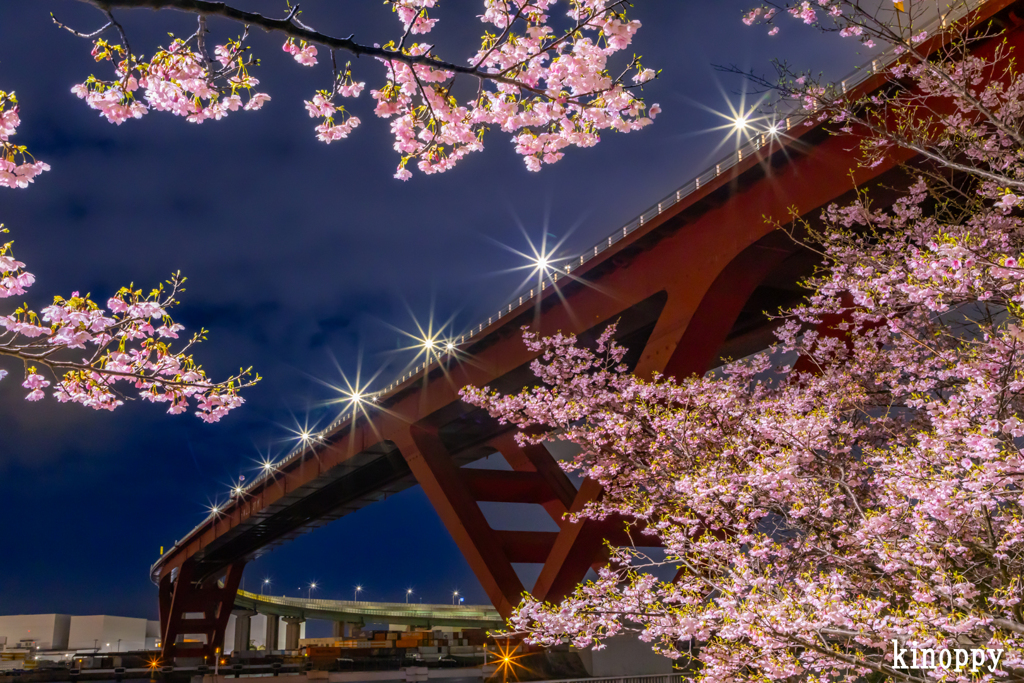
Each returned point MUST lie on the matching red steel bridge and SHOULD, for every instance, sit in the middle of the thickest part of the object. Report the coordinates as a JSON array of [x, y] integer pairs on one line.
[[687, 281]]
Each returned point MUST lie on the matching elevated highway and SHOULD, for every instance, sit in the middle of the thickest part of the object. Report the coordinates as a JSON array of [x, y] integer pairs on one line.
[[359, 612], [687, 281]]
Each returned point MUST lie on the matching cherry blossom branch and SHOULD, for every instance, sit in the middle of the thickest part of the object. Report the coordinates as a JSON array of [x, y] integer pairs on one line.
[[548, 89], [128, 348], [294, 29]]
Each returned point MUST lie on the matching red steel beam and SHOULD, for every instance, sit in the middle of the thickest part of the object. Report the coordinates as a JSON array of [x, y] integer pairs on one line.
[[499, 486], [211, 600], [447, 491]]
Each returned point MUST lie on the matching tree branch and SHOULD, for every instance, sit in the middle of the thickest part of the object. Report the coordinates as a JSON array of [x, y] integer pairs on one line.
[[290, 27]]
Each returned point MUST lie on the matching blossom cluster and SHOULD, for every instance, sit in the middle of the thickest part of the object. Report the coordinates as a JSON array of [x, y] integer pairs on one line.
[[93, 351], [17, 167], [547, 85], [337, 122], [844, 17], [556, 90], [179, 80]]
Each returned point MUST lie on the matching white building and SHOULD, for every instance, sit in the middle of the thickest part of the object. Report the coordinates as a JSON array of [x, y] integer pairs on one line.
[[102, 633], [42, 631], [113, 634]]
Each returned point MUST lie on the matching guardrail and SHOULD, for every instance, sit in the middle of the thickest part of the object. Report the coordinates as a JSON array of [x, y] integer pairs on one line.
[[383, 609]]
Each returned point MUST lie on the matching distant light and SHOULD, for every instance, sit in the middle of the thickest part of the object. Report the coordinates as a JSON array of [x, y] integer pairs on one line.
[[408, 590], [429, 343], [266, 580], [238, 490], [450, 346], [268, 466], [773, 129], [305, 436], [740, 123]]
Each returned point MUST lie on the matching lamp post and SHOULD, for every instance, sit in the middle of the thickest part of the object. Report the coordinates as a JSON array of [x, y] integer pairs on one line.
[[408, 592], [454, 595], [312, 587], [355, 598], [266, 582]]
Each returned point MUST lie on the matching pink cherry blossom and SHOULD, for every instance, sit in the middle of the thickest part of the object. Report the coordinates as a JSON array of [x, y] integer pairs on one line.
[[109, 348], [18, 169], [559, 77]]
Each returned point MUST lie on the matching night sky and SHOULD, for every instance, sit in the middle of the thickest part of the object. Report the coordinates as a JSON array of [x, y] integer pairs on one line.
[[301, 258]]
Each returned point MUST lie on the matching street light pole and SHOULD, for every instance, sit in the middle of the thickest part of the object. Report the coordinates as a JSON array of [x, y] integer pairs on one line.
[[355, 597], [454, 595], [408, 592], [266, 582], [309, 595]]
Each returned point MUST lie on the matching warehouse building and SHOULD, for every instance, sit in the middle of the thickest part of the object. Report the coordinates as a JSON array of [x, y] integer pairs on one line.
[[93, 633]]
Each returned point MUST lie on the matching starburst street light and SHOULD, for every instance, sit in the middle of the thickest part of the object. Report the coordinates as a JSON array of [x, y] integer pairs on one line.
[[740, 123], [508, 659]]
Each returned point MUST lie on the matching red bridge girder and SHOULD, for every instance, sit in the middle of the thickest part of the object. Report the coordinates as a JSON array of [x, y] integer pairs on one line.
[[700, 261]]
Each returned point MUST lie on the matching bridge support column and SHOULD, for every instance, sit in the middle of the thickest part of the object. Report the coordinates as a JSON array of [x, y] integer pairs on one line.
[[272, 637], [243, 623], [344, 629], [292, 629], [194, 612]]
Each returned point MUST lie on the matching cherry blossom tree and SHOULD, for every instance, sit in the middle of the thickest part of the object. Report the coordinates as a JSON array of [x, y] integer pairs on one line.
[[824, 518], [546, 73]]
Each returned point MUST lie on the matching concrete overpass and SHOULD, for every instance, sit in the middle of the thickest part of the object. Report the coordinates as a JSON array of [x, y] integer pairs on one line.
[[687, 281], [409, 614], [294, 611]]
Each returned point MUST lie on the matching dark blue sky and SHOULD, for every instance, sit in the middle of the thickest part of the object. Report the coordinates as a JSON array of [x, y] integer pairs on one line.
[[297, 253]]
